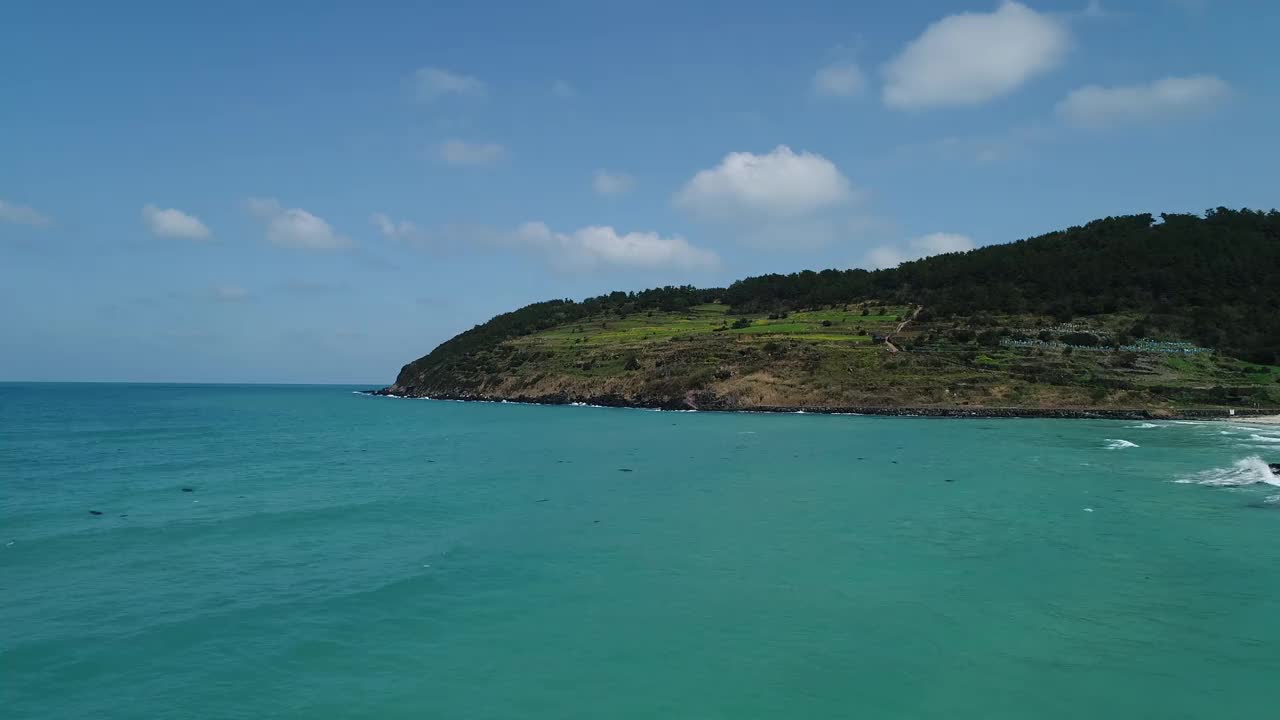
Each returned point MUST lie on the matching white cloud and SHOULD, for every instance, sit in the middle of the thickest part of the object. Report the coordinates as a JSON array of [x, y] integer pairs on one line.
[[401, 231], [612, 183], [294, 227], [173, 223], [1095, 10], [840, 80], [595, 247], [889, 256], [971, 58], [22, 215], [779, 184], [589, 248], [562, 89], [1097, 106], [431, 83], [464, 154], [229, 293]]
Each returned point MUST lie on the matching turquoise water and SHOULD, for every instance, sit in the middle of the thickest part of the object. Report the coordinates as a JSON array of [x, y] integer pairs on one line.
[[343, 556]]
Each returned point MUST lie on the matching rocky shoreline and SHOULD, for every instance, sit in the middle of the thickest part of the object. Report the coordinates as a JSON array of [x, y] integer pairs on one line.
[[714, 404]]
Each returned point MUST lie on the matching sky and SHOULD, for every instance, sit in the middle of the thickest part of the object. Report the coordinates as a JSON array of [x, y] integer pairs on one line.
[[321, 192]]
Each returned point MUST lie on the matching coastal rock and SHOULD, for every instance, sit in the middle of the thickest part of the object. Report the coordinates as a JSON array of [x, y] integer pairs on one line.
[[709, 401]]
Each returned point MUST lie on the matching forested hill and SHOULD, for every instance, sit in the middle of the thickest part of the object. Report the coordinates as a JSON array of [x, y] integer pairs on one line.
[[1214, 280]]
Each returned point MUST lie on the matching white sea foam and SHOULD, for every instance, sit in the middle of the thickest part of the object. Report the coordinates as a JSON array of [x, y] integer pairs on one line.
[[1248, 471], [1265, 438], [1119, 444], [1145, 426]]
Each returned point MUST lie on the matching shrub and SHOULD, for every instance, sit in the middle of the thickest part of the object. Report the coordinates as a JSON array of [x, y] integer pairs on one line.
[[1125, 359], [1082, 339]]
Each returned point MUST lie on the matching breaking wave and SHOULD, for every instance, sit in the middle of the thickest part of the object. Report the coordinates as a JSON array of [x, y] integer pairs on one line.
[[1119, 444], [1248, 471]]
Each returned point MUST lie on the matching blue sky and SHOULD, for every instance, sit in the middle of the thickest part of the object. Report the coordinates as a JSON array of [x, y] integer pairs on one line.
[[262, 192]]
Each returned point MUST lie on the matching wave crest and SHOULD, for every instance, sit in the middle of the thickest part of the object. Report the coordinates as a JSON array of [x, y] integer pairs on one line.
[[1248, 471]]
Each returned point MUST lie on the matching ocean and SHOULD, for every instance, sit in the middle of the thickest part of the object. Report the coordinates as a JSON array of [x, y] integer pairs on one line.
[[186, 551]]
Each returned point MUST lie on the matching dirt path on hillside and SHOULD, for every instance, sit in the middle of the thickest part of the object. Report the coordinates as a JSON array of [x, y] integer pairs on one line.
[[888, 341]]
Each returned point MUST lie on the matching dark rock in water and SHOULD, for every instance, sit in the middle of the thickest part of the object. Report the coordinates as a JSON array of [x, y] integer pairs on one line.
[[1275, 468], [188, 489], [949, 480], [95, 512], [624, 470]]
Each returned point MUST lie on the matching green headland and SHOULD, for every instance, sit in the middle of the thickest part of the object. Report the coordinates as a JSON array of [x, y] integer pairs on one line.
[[1128, 315]]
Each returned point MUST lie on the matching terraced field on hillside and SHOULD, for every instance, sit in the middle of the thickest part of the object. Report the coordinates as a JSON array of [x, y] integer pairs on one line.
[[707, 357]]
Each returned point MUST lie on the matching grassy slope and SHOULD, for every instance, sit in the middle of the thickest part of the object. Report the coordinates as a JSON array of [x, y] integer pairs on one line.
[[826, 358]]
